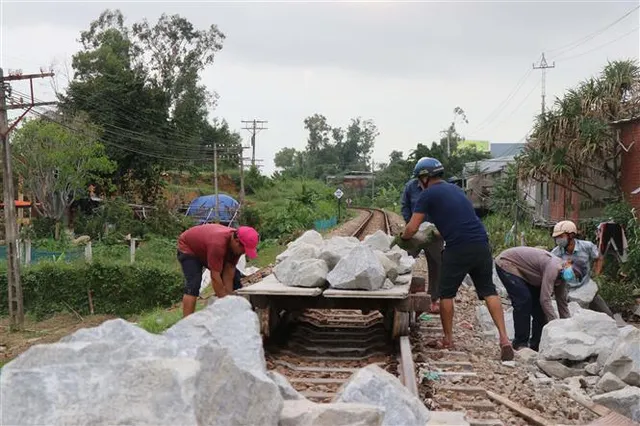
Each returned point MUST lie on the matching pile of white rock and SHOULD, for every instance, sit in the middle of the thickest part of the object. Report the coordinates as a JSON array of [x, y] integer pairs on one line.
[[345, 262], [589, 351], [208, 369]]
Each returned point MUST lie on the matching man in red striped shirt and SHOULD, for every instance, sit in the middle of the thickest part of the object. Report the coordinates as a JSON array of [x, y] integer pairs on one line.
[[218, 248]]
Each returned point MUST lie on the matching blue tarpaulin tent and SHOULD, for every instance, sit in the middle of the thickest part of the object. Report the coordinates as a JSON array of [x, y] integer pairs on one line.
[[204, 209]]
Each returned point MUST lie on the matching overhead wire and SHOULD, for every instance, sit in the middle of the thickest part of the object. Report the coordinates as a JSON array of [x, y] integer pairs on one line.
[[155, 142], [571, 46], [599, 46]]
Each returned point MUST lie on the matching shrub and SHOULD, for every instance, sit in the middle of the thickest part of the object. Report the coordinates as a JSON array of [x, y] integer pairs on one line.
[[117, 288], [500, 237]]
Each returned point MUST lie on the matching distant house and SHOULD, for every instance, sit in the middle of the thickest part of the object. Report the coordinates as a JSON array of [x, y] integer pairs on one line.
[[554, 202], [499, 150], [353, 183], [481, 176]]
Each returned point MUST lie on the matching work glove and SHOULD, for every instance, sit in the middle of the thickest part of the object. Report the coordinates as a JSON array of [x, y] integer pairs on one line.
[[403, 244]]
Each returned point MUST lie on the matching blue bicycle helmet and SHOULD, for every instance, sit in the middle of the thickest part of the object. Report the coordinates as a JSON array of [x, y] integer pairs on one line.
[[427, 166]]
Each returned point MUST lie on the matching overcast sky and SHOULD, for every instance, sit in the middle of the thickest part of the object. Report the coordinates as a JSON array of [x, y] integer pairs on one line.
[[404, 65]]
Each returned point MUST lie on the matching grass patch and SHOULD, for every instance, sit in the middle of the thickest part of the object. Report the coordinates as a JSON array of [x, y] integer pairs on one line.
[[267, 252], [498, 227], [159, 320]]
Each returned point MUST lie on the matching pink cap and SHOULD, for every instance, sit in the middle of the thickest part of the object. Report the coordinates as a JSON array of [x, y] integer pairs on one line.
[[249, 238]]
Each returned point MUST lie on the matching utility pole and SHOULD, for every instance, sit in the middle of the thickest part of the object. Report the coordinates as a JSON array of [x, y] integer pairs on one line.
[[215, 178], [254, 126], [14, 286], [373, 180], [543, 66]]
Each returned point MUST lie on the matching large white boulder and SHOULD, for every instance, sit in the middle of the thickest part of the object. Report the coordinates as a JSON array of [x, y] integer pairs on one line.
[[625, 401], [585, 334], [624, 360], [584, 294], [287, 391], [300, 251], [118, 373], [372, 385], [358, 270], [229, 322], [307, 413], [379, 240], [302, 273], [335, 248]]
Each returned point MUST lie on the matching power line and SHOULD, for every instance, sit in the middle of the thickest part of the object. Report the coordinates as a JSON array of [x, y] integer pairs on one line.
[[570, 46], [599, 46]]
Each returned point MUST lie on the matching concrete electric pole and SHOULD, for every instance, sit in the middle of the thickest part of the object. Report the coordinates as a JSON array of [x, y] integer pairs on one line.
[[254, 126], [543, 66], [14, 285]]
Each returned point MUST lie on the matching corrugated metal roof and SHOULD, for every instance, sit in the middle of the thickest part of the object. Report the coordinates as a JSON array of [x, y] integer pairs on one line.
[[499, 150], [489, 166]]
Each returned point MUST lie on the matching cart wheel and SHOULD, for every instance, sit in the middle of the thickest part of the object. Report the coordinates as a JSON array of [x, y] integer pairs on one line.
[[269, 320], [400, 324]]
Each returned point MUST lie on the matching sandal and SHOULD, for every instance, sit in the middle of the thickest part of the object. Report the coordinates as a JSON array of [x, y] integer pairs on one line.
[[440, 344], [506, 352]]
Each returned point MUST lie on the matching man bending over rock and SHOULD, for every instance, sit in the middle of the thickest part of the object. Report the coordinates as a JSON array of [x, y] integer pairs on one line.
[[466, 250], [531, 276], [218, 248]]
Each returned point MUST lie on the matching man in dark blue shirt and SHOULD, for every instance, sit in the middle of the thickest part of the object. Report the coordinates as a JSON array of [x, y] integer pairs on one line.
[[433, 252], [467, 248]]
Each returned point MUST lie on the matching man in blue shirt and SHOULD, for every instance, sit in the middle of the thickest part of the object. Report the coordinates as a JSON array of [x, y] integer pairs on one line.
[[433, 252], [467, 248]]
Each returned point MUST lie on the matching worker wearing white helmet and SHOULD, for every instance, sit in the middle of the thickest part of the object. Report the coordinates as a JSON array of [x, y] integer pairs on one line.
[[568, 247]]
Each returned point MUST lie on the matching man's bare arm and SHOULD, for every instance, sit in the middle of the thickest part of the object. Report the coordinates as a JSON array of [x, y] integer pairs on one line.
[[228, 274], [218, 284]]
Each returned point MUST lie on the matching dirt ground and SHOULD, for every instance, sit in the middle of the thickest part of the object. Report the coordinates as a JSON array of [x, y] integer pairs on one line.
[[50, 330]]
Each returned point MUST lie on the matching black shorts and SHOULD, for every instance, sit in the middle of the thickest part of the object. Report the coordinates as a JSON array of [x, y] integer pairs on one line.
[[192, 269], [473, 259]]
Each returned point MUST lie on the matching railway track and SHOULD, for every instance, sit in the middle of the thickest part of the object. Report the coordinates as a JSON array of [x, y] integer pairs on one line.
[[319, 350]]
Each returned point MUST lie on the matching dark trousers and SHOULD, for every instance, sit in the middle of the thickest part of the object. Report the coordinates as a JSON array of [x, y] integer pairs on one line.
[[525, 300], [433, 253]]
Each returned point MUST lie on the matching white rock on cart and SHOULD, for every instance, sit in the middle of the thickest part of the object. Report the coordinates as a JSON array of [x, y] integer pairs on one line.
[[302, 273], [390, 268], [336, 248], [307, 413], [403, 279], [311, 236], [584, 294], [585, 334], [120, 374], [405, 265], [300, 251], [396, 253], [624, 360], [372, 385], [358, 270], [625, 401], [379, 240]]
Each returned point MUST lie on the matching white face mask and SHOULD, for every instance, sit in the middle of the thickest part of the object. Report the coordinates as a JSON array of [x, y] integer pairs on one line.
[[562, 242]]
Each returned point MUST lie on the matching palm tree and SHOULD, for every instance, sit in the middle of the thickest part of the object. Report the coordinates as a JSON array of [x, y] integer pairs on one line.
[[573, 144]]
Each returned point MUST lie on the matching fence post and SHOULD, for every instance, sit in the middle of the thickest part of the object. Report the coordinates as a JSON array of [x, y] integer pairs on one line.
[[27, 252], [132, 249], [19, 251], [88, 252]]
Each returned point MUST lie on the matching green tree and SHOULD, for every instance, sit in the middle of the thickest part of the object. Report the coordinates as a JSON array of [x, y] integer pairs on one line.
[[573, 144], [58, 163], [141, 84]]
